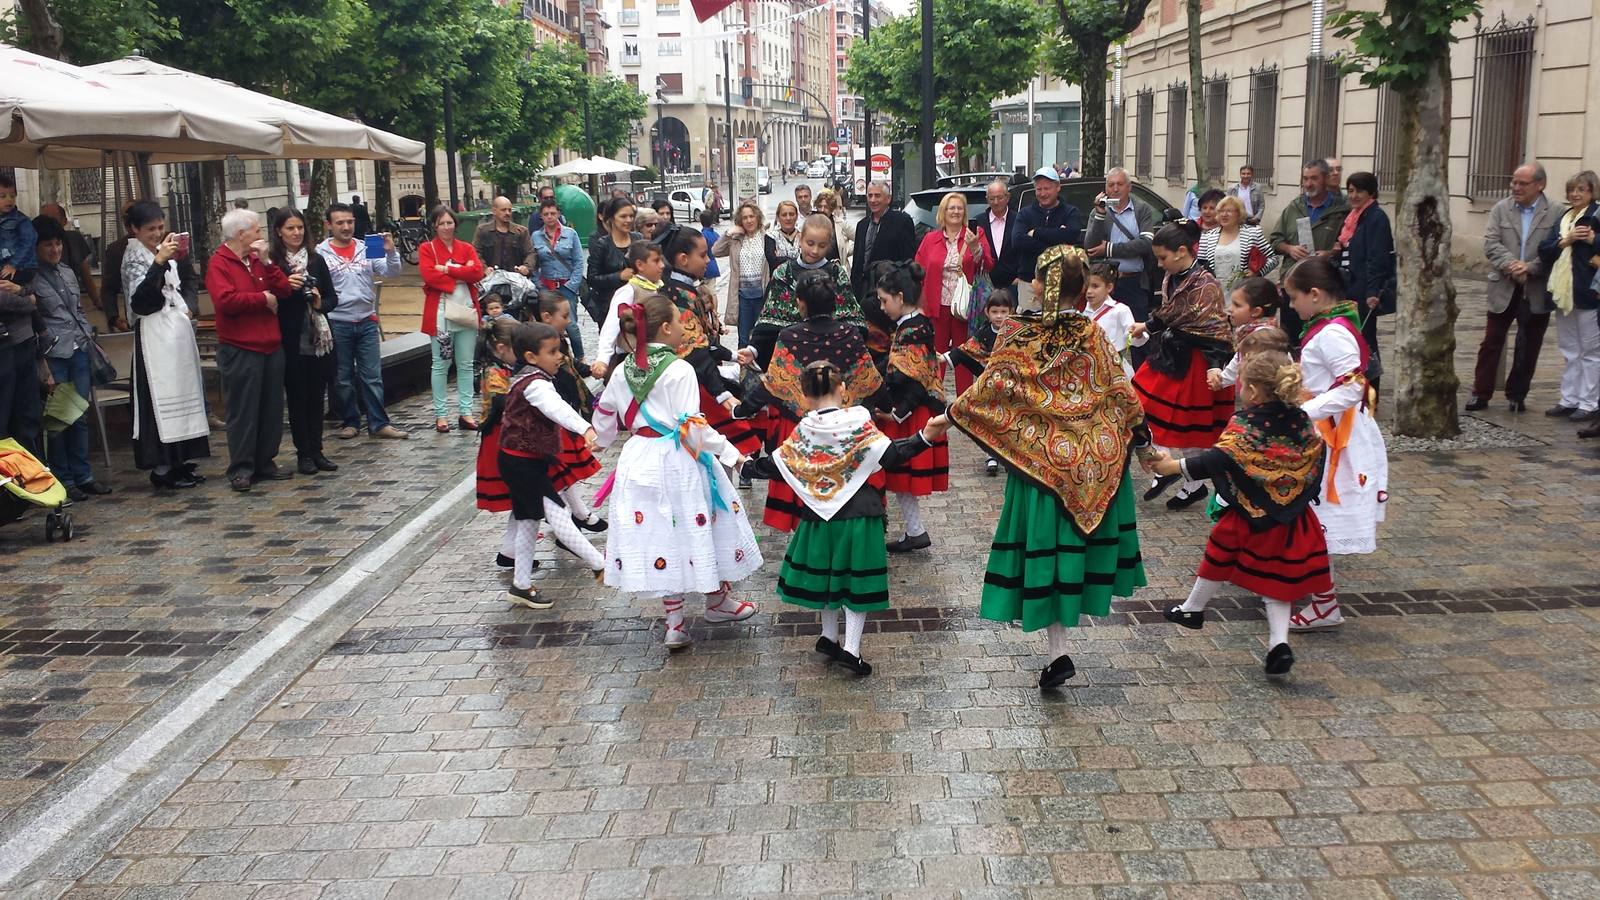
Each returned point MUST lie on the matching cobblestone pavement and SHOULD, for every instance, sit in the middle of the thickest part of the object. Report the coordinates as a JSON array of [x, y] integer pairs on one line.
[[1444, 743]]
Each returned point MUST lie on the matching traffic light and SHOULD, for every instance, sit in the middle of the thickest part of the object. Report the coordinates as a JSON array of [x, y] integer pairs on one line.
[[747, 87], [661, 89]]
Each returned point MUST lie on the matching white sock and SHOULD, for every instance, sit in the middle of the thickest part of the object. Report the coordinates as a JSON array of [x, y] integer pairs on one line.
[[830, 624], [508, 542], [527, 539], [853, 623], [559, 523], [1278, 614], [580, 510], [1199, 595], [911, 512], [674, 607], [1058, 640], [1190, 488]]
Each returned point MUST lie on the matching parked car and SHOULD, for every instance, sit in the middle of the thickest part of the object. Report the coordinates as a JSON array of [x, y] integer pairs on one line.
[[968, 179], [686, 204], [818, 169], [923, 206], [763, 180]]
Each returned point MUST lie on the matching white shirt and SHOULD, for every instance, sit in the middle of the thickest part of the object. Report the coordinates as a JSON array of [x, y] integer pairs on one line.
[[1114, 319], [1330, 354], [675, 394], [1242, 191], [611, 329], [542, 395]]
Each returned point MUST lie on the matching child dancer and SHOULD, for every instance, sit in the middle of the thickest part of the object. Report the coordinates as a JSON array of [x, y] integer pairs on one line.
[[781, 310], [649, 267], [493, 495], [676, 525], [1189, 329], [818, 337], [973, 354], [576, 461], [1114, 318], [1268, 464], [1333, 364], [1055, 406], [913, 393], [1252, 306], [836, 556], [529, 445]]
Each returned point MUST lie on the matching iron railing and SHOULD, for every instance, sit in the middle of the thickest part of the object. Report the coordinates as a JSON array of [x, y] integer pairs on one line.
[[1386, 143], [1177, 128], [1144, 137], [1321, 133], [1502, 75], [1262, 147], [1216, 88]]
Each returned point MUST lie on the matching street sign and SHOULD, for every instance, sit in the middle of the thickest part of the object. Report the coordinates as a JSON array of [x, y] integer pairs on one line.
[[744, 151], [947, 151], [842, 135], [833, 148]]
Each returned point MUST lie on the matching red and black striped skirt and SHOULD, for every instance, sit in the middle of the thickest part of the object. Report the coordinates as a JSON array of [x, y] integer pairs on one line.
[[493, 495], [1183, 412], [1284, 562], [574, 463], [783, 506], [741, 433], [926, 473]]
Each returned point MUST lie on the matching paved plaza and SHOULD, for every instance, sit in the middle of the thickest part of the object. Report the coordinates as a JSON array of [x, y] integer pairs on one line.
[[409, 734]]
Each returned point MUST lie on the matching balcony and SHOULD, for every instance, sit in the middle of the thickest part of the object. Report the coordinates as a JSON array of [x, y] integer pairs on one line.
[[628, 18], [630, 54]]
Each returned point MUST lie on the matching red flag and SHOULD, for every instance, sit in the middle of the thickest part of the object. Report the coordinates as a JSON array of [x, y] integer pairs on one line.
[[705, 9]]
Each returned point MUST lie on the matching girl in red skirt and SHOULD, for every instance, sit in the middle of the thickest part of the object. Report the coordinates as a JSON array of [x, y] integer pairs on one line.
[[493, 495], [1268, 464], [575, 461], [1189, 333], [913, 393]]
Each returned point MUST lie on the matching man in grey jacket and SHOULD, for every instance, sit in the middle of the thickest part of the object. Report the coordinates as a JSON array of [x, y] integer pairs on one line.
[[1120, 229], [1517, 291], [1249, 193], [354, 322]]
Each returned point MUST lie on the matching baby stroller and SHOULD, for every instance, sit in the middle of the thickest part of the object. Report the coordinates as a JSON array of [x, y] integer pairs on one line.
[[25, 483]]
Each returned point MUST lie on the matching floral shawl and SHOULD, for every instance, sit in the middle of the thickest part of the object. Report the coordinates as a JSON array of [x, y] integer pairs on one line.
[[1274, 462], [830, 456], [820, 338]]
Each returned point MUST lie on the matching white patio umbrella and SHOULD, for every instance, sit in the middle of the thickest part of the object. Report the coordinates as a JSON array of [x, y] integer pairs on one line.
[[591, 165], [60, 115], [307, 133]]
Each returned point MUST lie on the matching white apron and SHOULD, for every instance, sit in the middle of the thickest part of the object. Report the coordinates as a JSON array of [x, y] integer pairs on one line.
[[166, 348]]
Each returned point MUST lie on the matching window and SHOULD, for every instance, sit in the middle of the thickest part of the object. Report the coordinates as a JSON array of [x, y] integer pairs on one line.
[[236, 176], [1262, 147], [1177, 128], [667, 8], [1119, 127], [269, 173], [1217, 127], [88, 185], [628, 18], [669, 48], [672, 82], [630, 53], [1501, 78], [633, 80], [1386, 150], [1144, 128], [1321, 137]]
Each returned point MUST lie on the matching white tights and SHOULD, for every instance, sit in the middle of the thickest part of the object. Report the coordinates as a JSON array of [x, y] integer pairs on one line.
[[508, 543], [576, 505], [911, 512], [1278, 612], [1058, 640], [559, 522], [854, 622]]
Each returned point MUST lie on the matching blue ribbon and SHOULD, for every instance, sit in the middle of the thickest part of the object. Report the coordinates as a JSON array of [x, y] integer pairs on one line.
[[706, 460]]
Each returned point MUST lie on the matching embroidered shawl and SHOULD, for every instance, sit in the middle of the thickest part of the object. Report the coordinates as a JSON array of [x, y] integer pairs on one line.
[[695, 315], [640, 381], [1274, 462], [782, 306], [830, 456], [912, 357], [817, 339], [1194, 305]]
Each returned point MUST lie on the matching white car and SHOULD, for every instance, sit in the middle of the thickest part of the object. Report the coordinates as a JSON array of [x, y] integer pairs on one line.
[[763, 180], [686, 205], [818, 169]]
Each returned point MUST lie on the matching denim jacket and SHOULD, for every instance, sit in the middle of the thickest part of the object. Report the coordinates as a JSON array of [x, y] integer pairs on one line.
[[564, 261]]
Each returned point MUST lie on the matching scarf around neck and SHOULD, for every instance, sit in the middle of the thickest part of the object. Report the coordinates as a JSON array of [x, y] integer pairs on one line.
[[1561, 273], [1344, 309], [830, 456], [1353, 219], [640, 381]]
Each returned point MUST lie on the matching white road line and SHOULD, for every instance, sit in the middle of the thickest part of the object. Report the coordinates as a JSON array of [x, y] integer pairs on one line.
[[38, 837]]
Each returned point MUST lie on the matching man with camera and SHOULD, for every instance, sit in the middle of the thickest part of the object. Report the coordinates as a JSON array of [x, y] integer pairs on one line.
[[1120, 229]]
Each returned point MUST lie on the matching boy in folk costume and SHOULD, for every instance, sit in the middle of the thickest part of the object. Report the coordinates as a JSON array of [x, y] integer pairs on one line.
[[913, 393], [1190, 334], [817, 338], [529, 444], [649, 267], [677, 526], [576, 461], [1268, 464], [1056, 408], [1113, 317], [836, 557], [1333, 364]]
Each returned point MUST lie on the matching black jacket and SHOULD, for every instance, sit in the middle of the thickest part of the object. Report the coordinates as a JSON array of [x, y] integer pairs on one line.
[[1060, 224], [1582, 273], [896, 242], [1005, 255], [1368, 264], [606, 262], [292, 309]]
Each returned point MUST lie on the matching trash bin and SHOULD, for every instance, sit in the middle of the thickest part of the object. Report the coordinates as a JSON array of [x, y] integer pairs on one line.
[[579, 208]]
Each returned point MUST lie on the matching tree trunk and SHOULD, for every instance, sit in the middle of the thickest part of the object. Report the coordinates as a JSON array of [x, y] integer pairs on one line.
[[1423, 368], [1092, 83], [383, 197], [213, 203], [321, 195], [430, 174], [44, 33], [1197, 94]]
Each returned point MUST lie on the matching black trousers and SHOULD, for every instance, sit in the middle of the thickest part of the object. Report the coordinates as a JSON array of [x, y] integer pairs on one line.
[[253, 384], [21, 404], [305, 385]]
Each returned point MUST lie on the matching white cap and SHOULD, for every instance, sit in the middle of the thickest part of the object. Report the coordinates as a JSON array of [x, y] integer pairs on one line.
[[1048, 172]]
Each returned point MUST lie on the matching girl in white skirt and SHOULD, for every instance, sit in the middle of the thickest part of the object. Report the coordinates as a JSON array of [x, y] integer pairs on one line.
[[677, 527], [1333, 365]]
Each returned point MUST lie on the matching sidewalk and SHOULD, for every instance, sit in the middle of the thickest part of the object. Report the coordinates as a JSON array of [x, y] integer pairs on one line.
[[1445, 743]]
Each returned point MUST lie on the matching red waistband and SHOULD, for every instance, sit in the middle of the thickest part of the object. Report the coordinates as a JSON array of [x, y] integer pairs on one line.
[[647, 432]]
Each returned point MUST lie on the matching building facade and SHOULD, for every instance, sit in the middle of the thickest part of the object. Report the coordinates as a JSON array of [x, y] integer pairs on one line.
[[1042, 125], [850, 21], [1522, 79]]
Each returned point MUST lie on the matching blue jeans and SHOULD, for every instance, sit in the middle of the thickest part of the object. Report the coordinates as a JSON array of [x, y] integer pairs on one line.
[[574, 336], [749, 311], [355, 348], [69, 448], [463, 342]]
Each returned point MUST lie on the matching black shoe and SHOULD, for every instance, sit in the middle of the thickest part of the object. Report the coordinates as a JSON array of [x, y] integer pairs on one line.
[[1194, 620], [507, 562], [1057, 673], [324, 464], [1180, 500], [176, 478], [76, 494], [528, 597], [829, 648], [308, 466], [1160, 485], [907, 544], [241, 483], [1280, 660], [1477, 403], [95, 488], [192, 470], [597, 526], [1519, 406], [1592, 431], [744, 482], [1585, 416], [991, 468], [853, 662], [1560, 412]]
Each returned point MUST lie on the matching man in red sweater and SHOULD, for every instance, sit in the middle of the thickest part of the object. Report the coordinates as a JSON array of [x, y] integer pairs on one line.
[[245, 288]]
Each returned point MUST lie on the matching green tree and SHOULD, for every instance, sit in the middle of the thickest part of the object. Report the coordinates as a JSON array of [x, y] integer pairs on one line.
[[983, 49], [614, 107], [548, 99], [1088, 28], [1407, 46], [84, 32]]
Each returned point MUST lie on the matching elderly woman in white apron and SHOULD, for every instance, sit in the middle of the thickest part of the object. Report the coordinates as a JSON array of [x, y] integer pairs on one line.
[[169, 426]]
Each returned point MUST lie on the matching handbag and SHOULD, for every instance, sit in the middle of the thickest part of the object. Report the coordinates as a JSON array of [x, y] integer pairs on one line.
[[102, 371], [458, 310], [961, 299]]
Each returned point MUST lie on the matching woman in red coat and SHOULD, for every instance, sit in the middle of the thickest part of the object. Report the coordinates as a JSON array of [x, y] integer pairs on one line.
[[445, 263], [952, 256]]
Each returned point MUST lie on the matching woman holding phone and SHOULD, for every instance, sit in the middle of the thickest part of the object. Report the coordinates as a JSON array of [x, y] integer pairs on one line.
[[307, 338]]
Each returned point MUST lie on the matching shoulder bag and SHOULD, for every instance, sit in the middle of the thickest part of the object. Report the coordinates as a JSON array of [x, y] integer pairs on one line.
[[458, 308]]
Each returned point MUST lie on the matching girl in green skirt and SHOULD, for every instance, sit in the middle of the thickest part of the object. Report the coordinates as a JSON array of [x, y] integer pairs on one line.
[[1055, 406], [836, 557]]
